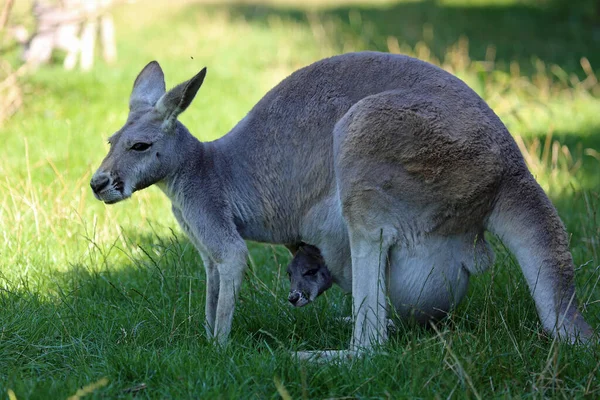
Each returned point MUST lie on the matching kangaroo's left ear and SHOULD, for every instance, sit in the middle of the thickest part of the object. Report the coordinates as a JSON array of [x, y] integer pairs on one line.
[[149, 86], [176, 100]]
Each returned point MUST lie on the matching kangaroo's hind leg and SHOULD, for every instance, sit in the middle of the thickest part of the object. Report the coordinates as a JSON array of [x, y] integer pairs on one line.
[[390, 195], [369, 250], [370, 241]]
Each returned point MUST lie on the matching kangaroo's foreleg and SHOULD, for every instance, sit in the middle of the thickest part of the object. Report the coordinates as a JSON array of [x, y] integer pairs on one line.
[[212, 294], [230, 276]]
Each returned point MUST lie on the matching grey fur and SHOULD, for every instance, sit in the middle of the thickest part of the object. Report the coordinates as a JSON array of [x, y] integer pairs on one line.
[[391, 166], [308, 274]]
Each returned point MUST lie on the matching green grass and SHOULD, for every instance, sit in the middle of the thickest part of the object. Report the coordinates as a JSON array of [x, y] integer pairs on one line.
[[113, 295]]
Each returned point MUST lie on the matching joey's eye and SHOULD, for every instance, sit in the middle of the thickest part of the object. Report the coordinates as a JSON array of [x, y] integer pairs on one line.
[[140, 146], [311, 272]]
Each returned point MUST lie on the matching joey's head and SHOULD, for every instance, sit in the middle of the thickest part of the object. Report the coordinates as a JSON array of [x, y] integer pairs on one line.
[[309, 276], [149, 147]]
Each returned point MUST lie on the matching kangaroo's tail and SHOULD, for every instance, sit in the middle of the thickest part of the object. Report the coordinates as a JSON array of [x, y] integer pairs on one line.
[[528, 224]]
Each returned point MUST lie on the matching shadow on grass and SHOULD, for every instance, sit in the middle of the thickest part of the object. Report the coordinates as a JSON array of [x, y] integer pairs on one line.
[[157, 298], [138, 318], [518, 33], [133, 314], [153, 293]]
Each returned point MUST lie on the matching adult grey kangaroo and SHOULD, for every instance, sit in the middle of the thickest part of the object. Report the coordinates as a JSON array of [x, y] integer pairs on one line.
[[391, 166]]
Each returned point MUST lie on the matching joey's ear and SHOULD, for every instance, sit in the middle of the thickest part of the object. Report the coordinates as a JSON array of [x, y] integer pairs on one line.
[[293, 248], [176, 100], [148, 87], [312, 251]]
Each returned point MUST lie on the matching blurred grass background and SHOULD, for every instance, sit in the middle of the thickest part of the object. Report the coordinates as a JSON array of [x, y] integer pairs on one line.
[[89, 291]]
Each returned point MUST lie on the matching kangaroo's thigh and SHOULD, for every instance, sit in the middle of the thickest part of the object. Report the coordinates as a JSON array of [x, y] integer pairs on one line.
[[417, 155]]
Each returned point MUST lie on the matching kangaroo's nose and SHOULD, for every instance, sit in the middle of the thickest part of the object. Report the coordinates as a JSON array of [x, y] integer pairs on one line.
[[293, 297], [99, 182]]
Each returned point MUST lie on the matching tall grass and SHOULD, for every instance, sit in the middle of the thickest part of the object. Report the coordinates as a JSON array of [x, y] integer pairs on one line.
[[104, 301]]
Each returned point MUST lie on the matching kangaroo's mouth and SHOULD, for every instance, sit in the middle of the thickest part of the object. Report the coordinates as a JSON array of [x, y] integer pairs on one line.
[[110, 195], [109, 189], [298, 298], [112, 201]]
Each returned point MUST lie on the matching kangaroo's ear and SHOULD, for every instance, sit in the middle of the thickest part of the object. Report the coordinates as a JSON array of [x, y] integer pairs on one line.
[[293, 248], [312, 251], [148, 87], [176, 100]]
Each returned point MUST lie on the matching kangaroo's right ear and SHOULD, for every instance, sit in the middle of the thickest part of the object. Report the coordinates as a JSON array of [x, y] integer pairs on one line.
[[176, 100], [148, 87]]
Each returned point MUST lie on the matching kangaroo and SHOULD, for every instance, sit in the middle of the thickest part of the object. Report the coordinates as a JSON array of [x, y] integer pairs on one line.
[[308, 274], [391, 166], [309, 278]]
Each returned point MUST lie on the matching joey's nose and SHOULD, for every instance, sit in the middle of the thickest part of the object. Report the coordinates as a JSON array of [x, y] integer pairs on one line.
[[99, 182], [294, 297]]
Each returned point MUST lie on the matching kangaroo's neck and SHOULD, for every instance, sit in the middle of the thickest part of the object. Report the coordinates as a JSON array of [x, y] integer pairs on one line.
[[195, 169], [224, 177]]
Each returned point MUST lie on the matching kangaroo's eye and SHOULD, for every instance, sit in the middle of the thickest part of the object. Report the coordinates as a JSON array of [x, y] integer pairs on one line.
[[311, 272], [140, 146]]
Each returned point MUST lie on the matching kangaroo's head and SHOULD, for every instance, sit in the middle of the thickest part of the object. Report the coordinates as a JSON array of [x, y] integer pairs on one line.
[[148, 148], [309, 276]]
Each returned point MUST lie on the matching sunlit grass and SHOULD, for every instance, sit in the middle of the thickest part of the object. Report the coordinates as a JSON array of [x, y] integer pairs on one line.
[[90, 291]]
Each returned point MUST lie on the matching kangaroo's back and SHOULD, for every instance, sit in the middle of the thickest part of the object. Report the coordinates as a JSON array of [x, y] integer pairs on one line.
[[291, 127], [312, 100]]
